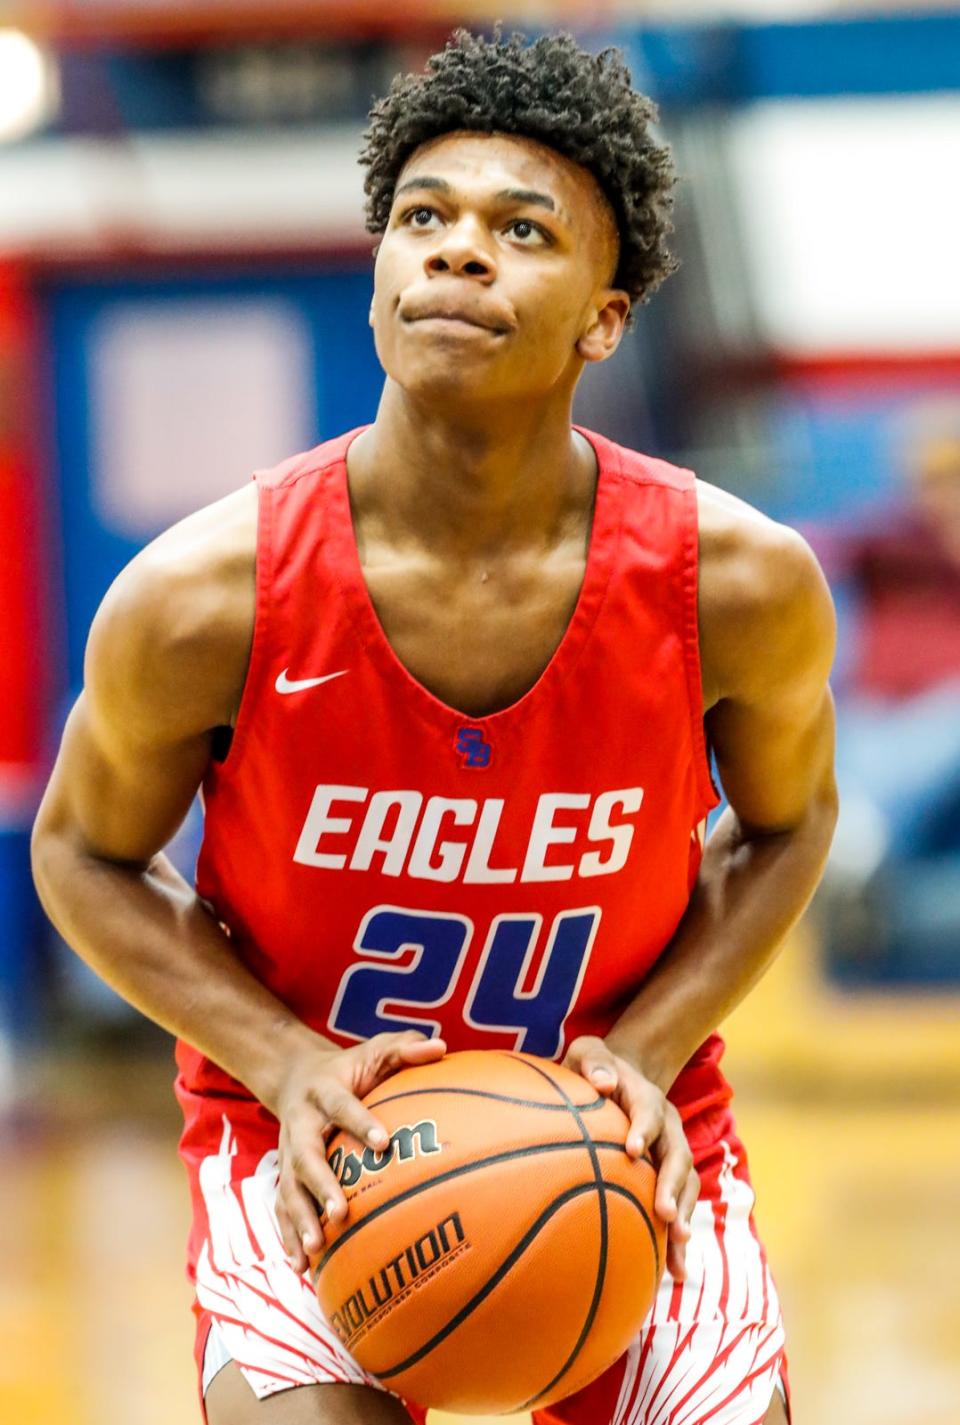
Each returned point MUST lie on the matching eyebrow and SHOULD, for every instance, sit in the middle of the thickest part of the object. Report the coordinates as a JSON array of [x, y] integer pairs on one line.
[[515, 195], [529, 195], [425, 182]]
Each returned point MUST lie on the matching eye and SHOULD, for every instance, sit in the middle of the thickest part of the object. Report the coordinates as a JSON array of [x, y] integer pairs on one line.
[[418, 217], [529, 233]]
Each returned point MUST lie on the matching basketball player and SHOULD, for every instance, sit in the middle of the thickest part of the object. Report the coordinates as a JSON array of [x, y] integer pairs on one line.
[[448, 684]]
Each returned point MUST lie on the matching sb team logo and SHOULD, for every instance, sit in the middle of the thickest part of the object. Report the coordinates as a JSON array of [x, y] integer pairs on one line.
[[472, 750]]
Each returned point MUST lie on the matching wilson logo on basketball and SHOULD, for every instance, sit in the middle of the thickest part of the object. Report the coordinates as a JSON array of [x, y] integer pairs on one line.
[[405, 1143], [395, 1278]]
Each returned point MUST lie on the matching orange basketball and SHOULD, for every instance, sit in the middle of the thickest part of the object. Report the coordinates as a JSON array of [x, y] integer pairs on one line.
[[502, 1251]]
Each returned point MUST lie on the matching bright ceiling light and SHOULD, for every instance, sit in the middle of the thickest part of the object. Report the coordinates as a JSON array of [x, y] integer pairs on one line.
[[28, 85]]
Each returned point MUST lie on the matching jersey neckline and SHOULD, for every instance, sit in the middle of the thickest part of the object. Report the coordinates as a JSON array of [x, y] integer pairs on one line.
[[601, 550]]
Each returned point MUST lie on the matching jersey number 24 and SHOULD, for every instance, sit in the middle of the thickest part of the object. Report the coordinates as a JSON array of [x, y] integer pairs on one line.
[[413, 959]]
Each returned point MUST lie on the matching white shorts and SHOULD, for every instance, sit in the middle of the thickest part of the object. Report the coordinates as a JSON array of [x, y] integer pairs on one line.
[[711, 1351]]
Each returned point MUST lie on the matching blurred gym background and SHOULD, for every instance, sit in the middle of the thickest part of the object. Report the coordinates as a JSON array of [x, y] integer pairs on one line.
[[184, 280]]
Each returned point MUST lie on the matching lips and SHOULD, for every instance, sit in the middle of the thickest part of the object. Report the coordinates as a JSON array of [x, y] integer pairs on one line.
[[454, 317], [445, 312]]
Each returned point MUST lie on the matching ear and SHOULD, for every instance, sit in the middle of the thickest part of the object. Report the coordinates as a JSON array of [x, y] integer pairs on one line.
[[606, 323]]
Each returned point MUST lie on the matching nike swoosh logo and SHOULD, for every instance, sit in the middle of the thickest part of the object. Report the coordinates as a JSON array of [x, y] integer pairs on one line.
[[297, 685]]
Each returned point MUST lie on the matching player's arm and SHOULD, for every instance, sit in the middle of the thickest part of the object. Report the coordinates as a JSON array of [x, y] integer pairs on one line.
[[767, 629], [161, 663], [165, 663], [767, 634]]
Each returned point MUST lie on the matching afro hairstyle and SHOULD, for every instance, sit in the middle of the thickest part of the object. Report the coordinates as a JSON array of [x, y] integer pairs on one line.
[[580, 104]]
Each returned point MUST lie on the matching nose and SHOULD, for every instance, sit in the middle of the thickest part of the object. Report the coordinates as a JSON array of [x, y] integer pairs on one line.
[[462, 251]]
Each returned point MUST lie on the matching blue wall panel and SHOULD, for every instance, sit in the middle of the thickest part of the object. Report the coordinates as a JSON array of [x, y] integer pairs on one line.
[[346, 383], [685, 65]]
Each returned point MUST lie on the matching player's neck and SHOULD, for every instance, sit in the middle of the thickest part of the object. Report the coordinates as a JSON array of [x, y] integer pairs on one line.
[[467, 483]]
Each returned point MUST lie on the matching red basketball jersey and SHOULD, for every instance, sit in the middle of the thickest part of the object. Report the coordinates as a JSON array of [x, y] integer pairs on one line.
[[382, 860]]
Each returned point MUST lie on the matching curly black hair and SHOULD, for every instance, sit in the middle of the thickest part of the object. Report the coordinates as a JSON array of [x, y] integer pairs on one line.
[[554, 91]]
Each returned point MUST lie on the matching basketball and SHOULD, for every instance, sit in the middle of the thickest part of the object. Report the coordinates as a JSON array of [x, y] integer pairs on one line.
[[502, 1250]]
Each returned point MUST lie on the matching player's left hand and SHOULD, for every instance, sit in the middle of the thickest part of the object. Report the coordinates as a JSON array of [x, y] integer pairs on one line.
[[655, 1126]]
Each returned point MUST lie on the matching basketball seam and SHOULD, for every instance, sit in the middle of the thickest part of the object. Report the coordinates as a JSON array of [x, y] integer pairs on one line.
[[496, 1097], [462, 1170], [492, 1281], [509, 1262], [604, 1233]]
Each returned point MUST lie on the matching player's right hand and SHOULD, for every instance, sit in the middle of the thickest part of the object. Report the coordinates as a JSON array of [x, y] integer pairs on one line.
[[321, 1092]]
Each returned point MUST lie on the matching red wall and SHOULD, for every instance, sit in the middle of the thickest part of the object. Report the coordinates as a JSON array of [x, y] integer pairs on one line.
[[24, 559]]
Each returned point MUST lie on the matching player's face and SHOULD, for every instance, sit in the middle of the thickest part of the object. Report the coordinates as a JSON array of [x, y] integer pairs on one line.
[[492, 278]]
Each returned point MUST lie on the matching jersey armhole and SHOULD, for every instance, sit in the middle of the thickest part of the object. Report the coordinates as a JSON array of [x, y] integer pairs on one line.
[[259, 644], [707, 791]]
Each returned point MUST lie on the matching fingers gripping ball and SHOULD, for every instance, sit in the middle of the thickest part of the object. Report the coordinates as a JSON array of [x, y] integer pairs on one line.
[[502, 1251]]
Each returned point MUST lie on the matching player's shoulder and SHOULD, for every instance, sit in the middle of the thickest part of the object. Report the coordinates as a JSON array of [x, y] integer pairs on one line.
[[748, 559], [182, 586], [763, 597], [173, 632]]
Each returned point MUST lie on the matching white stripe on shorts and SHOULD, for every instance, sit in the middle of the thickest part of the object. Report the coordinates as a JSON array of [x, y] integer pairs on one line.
[[709, 1353], [267, 1316]]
